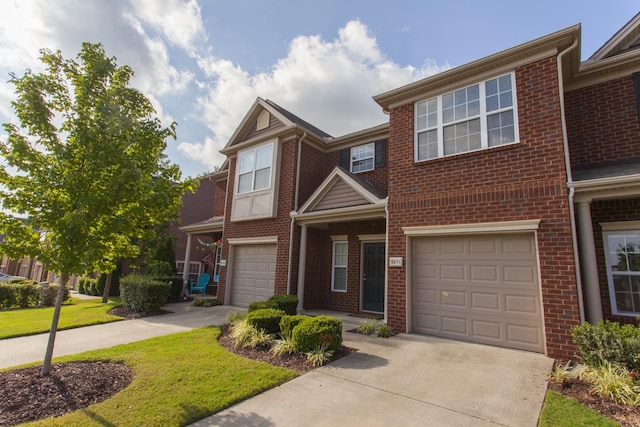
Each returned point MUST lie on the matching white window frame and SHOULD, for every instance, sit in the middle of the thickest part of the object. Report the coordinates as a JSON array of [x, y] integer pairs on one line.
[[611, 273], [433, 120], [195, 268], [356, 162], [254, 168], [335, 266]]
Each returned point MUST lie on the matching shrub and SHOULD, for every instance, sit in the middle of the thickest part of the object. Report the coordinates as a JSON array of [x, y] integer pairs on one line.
[[259, 305], [81, 285], [283, 346], [261, 339], [242, 333], [7, 296], [286, 303], [49, 293], [176, 287], [317, 332], [206, 302], [287, 323], [368, 326], [158, 268], [614, 382], [267, 319], [27, 293], [114, 289], [608, 342], [142, 293], [384, 331]]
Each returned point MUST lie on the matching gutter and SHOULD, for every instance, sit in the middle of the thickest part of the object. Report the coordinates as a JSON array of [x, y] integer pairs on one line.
[[295, 209], [567, 165]]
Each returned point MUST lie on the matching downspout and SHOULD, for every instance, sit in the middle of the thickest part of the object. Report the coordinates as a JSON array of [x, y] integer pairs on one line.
[[567, 165], [295, 209]]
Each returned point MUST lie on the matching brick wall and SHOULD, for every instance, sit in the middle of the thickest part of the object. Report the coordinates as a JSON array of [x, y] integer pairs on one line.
[[521, 181], [220, 198], [602, 122]]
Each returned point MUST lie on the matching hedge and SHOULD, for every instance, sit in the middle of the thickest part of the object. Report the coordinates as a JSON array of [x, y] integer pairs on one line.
[[285, 302], [317, 332], [287, 323], [259, 305], [143, 294], [28, 293], [608, 342], [267, 319]]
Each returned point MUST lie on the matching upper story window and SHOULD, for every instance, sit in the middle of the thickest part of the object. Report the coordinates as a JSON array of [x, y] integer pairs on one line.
[[362, 157], [366, 157], [254, 169], [473, 118]]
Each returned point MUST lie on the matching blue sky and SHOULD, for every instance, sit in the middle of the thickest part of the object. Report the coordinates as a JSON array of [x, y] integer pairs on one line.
[[203, 63]]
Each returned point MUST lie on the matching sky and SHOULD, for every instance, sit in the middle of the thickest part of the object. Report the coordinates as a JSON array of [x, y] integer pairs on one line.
[[203, 63]]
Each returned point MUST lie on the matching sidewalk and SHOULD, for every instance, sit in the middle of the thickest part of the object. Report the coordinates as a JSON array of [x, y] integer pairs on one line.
[[184, 317]]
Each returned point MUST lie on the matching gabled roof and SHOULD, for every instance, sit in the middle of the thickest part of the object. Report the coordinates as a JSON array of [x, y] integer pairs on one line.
[[211, 225], [343, 195], [625, 40], [285, 122]]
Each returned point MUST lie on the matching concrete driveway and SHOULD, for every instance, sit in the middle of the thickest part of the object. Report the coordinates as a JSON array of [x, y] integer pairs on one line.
[[407, 380]]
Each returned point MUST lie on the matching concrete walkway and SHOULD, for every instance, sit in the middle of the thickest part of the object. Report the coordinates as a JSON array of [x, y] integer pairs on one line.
[[407, 380]]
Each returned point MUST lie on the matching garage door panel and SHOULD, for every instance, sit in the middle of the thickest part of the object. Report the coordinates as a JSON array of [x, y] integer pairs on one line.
[[485, 289], [253, 274]]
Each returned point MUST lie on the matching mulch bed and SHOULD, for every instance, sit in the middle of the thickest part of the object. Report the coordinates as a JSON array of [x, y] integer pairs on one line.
[[580, 391], [25, 395]]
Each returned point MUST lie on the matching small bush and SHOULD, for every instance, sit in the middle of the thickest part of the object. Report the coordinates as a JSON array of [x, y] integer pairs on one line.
[[81, 285], [287, 323], [142, 293], [7, 296], [608, 342], [267, 319], [319, 356], [286, 303], [261, 339], [283, 346], [259, 305], [49, 294], [384, 331], [317, 332], [206, 302], [368, 326], [242, 333], [614, 382], [27, 293], [176, 287]]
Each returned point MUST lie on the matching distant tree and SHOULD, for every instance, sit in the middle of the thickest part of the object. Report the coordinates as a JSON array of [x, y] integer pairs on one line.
[[164, 258], [87, 165]]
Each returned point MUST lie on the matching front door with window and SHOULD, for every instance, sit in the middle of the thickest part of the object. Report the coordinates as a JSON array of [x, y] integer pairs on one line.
[[373, 277]]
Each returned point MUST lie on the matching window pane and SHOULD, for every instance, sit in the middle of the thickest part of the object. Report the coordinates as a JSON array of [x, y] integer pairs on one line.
[[264, 157], [474, 108], [262, 178], [500, 128], [460, 96], [447, 115], [504, 83], [246, 161], [421, 108], [421, 122], [621, 283], [428, 145], [244, 183], [447, 101], [623, 301], [491, 87], [340, 279], [473, 93], [492, 103]]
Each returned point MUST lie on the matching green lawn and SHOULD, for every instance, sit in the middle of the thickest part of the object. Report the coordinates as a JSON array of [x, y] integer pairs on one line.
[[179, 379], [560, 411], [75, 313]]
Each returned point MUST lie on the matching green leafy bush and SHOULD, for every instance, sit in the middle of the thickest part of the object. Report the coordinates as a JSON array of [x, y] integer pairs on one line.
[[49, 293], [287, 323], [176, 287], [143, 293], [317, 332], [614, 382], [82, 285], [259, 305], [608, 342], [27, 293], [236, 317], [286, 303], [267, 319], [319, 356], [7, 296]]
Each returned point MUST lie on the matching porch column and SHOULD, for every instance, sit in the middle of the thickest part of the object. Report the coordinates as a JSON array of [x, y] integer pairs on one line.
[[302, 265], [589, 262], [187, 258]]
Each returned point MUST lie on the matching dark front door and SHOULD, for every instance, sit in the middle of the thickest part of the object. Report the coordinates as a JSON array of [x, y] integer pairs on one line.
[[373, 277]]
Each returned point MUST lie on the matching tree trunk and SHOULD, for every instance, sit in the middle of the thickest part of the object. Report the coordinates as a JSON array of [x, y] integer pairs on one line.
[[107, 288], [46, 366]]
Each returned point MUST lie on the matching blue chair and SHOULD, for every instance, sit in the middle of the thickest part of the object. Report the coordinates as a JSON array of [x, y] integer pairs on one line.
[[200, 285]]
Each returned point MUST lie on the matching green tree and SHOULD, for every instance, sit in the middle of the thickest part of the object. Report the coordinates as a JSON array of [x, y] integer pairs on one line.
[[86, 165]]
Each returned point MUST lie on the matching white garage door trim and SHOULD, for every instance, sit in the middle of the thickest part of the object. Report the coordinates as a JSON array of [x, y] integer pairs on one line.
[[267, 281], [433, 233]]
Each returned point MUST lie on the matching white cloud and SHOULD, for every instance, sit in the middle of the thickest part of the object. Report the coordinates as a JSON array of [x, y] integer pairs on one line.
[[327, 83]]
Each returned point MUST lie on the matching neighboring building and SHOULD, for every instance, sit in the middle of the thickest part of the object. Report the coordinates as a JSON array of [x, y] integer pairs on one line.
[[499, 205], [196, 207]]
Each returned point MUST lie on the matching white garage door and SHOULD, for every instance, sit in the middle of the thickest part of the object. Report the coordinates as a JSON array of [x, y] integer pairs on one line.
[[254, 271], [480, 288]]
